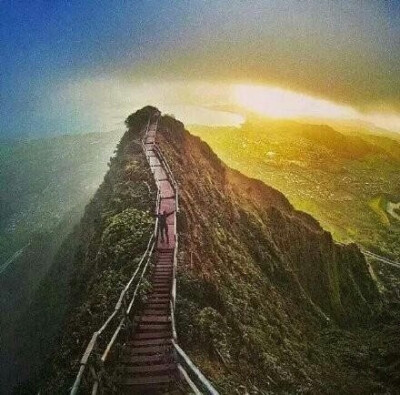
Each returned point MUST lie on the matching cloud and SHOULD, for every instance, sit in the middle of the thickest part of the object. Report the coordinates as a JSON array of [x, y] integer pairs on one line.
[[102, 103], [344, 51]]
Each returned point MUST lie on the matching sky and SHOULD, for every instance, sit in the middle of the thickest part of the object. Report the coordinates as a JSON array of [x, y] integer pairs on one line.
[[83, 66]]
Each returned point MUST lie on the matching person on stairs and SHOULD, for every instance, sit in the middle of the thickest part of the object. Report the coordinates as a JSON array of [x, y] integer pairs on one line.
[[162, 225]]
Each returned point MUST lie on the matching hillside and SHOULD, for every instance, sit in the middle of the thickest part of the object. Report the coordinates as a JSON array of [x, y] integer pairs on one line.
[[267, 301], [347, 181], [87, 269], [44, 187]]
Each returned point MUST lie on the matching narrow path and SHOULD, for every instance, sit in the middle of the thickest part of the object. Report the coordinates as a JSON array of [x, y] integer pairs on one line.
[[148, 364]]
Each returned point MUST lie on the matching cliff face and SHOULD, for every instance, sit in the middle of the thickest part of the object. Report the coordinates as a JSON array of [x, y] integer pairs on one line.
[[89, 271], [266, 300], [285, 244], [258, 280]]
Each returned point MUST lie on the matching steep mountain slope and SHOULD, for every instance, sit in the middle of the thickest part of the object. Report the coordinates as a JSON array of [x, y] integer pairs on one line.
[[86, 276], [267, 301], [262, 286]]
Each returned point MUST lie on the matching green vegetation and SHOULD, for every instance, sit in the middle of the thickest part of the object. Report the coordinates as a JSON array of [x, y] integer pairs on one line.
[[267, 302], [88, 272], [343, 180], [44, 187]]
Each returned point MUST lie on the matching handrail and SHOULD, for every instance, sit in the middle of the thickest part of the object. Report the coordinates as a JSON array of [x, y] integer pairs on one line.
[[170, 175], [198, 380], [90, 347], [117, 309], [202, 381]]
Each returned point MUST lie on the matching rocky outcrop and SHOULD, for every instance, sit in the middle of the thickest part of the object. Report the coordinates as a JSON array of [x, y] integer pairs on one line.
[[260, 278]]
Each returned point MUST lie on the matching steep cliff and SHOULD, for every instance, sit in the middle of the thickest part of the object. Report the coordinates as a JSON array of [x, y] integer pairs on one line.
[[88, 273], [262, 286], [267, 301]]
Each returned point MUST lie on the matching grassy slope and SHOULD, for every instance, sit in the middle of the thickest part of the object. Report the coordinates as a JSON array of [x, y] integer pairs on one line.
[[264, 294], [89, 271]]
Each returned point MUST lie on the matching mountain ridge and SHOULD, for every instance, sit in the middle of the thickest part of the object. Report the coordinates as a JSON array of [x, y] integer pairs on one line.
[[265, 298]]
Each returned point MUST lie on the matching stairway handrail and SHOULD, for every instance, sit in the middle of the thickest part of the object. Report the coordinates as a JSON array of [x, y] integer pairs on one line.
[[169, 174], [92, 343], [186, 363], [205, 385]]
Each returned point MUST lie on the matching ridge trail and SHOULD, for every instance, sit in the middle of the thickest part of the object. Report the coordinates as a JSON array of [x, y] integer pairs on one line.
[[149, 363], [148, 358]]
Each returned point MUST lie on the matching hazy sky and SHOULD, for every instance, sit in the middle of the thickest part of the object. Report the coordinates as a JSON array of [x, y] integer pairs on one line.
[[70, 66]]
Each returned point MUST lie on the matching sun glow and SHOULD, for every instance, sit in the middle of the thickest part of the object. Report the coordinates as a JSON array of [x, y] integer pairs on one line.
[[280, 103]]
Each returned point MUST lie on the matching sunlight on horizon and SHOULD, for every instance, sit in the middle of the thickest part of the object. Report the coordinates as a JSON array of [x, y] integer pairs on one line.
[[104, 103], [284, 104]]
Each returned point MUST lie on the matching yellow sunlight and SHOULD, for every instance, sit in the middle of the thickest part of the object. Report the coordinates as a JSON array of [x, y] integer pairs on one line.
[[280, 103]]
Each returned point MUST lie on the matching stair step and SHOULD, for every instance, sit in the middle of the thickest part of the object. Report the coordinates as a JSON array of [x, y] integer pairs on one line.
[[159, 301], [148, 380], [153, 318], [153, 335], [154, 328], [149, 342], [146, 359], [163, 273], [150, 369], [161, 349], [160, 292], [157, 306], [158, 297], [164, 311]]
